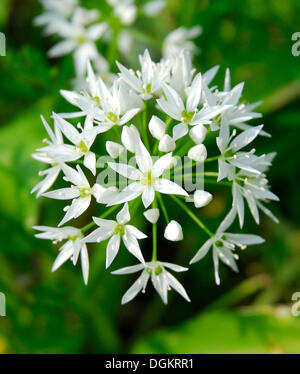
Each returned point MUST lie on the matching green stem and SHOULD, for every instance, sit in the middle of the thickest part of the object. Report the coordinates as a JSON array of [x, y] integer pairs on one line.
[[154, 236], [145, 126], [192, 215], [163, 207]]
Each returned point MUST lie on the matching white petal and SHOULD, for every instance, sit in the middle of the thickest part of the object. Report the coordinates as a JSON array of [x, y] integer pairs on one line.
[[84, 263], [76, 177], [143, 158], [168, 187], [77, 207], [129, 269], [123, 216], [63, 256], [157, 127], [202, 252], [69, 130], [114, 149], [202, 198], [135, 232], [98, 235], [152, 215], [127, 194], [132, 245], [62, 48], [180, 130], [112, 249], [148, 196], [137, 286], [128, 115], [238, 202], [194, 94], [161, 165], [198, 153], [244, 239], [174, 267], [173, 282], [90, 162], [130, 136], [216, 265], [126, 170], [245, 138], [62, 194], [173, 231]]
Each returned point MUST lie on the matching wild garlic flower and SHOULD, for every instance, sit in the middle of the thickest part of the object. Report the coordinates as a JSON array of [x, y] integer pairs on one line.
[[224, 244], [80, 192], [179, 39], [149, 80], [43, 156], [147, 179], [162, 115], [117, 230], [161, 279], [72, 248]]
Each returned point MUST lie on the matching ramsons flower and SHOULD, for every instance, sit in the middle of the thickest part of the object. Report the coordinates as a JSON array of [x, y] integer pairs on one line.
[[80, 193], [189, 113], [161, 279], [70, 249], [230, 147], [147, 179], [117, 230], [43, 156], [224, 244], [82, 142], [147, 82]]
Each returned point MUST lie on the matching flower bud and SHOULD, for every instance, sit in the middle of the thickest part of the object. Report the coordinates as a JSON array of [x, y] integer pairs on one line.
[[198, 153], [173, 231], [202, 198], [166, 144], [198, 133], [157, 127], [152, 215]]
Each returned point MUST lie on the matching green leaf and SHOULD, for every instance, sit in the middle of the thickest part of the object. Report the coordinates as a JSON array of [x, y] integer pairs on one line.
[[243, 331]]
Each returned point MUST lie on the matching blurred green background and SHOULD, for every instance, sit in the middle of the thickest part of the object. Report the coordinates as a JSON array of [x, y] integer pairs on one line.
[[250, 311]]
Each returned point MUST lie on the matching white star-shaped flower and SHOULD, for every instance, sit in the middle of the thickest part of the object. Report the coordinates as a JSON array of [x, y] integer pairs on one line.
[[162, 279], [224, 245], [82, 142], [147, 179], [70, 250], [189, 113], [43, 156], [80, 192], [117, 230]]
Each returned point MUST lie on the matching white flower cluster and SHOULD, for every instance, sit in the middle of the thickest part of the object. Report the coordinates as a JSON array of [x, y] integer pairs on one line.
[[80, 29], [157, 114]]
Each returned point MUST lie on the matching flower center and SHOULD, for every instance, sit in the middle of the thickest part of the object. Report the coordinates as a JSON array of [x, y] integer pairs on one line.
[[81, 147], [146, 88], [219, 244], [73, 238], [158, 270], [229, 153], [112, 117], [147, 179], [187, 116], [81, 39], [84, 192], [119, 230], [96, 99]]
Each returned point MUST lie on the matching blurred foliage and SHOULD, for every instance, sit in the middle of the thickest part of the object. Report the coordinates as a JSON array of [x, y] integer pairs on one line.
[[56, 313]]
